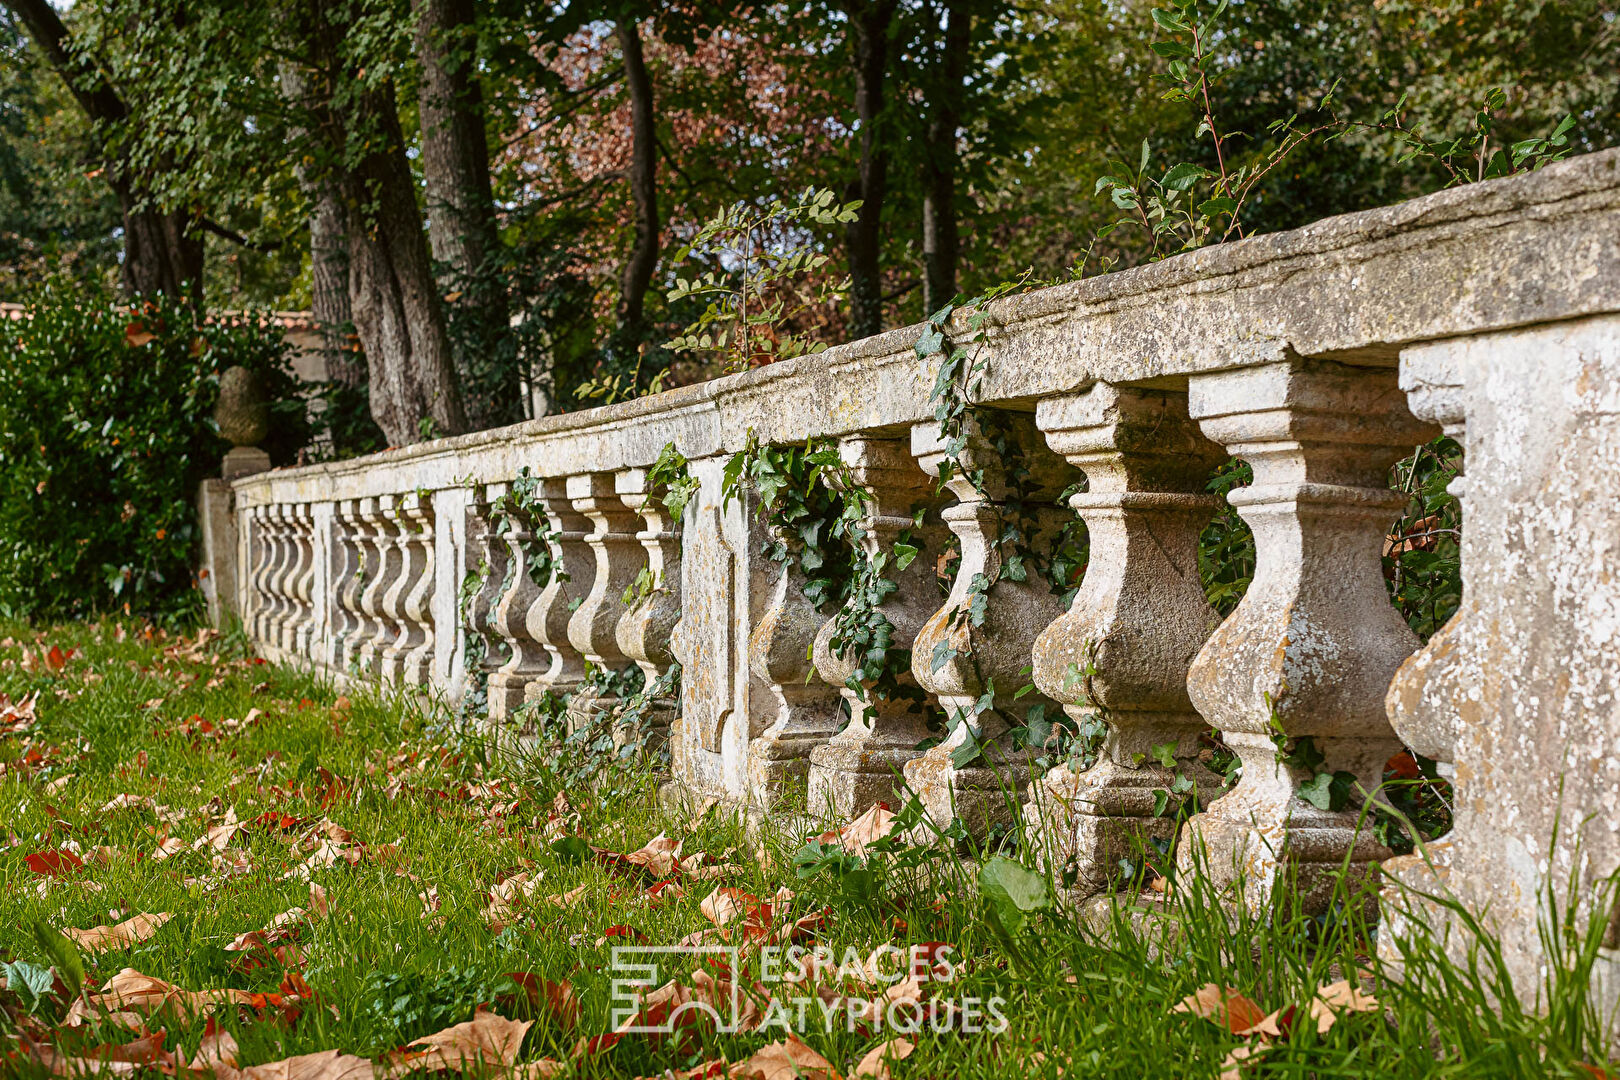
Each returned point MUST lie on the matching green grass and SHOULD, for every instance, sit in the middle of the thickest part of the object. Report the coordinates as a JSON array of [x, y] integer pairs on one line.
[[384, 972]]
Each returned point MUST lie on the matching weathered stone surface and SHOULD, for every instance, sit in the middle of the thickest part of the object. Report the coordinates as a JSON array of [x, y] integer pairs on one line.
[[1122, 650], [1015, 497], [1311, 648], [243, 412], [1538, 727], [861, 764]]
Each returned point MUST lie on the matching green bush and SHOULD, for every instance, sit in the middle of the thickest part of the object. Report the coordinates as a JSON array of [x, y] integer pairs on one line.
[[106, 429]]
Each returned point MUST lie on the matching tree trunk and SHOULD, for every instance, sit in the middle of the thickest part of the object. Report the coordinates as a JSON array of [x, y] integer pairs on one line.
[[869, 42], [397, 313], [643, 260], [940, 242], [162, 251]]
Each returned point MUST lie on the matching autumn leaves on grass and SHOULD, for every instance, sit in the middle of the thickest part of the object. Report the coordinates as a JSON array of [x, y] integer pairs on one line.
[[1231, 1010]]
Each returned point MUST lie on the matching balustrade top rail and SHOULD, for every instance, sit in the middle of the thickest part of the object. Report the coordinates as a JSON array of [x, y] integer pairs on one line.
[[1531, 249]]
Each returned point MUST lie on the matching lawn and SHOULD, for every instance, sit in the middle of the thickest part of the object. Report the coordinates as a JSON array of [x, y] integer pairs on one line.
[[347, 873]]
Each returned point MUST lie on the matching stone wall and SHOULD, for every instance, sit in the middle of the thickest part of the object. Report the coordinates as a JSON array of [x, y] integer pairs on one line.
[[1321, 357]]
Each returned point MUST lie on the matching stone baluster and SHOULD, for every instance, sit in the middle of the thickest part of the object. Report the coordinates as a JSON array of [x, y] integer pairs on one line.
[[409, 657], [272, 536], [573, 573], [1422, 699], [382, 569], [618, 557], [861, 764], [806, 708], [349, 579], [526, 657], [1310, 650], [488, 557], [1006, 485], [260, 562], [301, 584], [1122, 650], [645, 631]]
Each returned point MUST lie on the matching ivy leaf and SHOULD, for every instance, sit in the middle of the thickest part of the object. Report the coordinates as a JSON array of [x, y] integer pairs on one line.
[[903, 554], [943, 654], [1012, 893], [1328, 791], [930, 343], [1165, 754], [967, 753], [1161, 801], [29, 981]]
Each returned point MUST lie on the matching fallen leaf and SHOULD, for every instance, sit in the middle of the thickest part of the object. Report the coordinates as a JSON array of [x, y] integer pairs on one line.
[[325, 1065], [872, 826], [131, 931], [725, 904], [487, 1041], [1339, 997], [56, 864], [1232, 1067], [876, 1062], [1222, 1005], [130, 990], [786, 1060]]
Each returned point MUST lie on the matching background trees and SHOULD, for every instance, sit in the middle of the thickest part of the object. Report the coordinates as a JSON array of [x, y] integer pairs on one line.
[[489, 195]]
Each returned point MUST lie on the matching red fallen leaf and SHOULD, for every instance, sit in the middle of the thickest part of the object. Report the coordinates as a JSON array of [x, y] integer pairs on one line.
[[1404, 766], [597, 1044], [556, 998], [275, 819], [136, 334], [668, 889], [1223, 1006], [624, 931], [54, 864]]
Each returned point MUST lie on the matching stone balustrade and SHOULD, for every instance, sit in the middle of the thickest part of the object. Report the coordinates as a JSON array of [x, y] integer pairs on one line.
[[521, 559]]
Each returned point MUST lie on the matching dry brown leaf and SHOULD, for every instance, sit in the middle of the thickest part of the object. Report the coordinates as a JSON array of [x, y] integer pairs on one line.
[[724, 905], [130, 991], [217, 1053], [876, 1062], [567, 899], [326, 1065], [1222, 1005], [487, 1041], [870, 827], [1232, 1067], [131, 931], [660, 855], [1335, 998], [168, 846], [786, 1060]]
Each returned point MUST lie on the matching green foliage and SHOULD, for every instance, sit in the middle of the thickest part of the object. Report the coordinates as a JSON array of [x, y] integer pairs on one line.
[[106, 429], [401, 1007], [671, 473], [767, 265]]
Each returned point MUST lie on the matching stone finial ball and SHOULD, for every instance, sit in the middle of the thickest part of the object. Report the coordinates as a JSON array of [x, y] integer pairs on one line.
[[243, 414]]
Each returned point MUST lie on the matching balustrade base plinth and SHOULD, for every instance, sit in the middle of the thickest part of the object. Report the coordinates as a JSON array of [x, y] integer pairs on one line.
[[779, 768], [1410, 902], [848, 778], [981, 796], [1084, 823]]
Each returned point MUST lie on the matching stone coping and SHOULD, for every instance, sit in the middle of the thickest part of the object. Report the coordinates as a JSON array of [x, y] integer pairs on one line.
[[1535, 248]]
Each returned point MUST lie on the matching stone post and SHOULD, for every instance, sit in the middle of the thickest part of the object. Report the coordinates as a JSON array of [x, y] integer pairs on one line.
[[861, 764], [1122, 650], [1006, 485], [1310, 650]]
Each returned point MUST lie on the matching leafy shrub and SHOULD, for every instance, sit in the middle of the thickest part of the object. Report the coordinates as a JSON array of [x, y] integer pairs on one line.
[[106, 429]]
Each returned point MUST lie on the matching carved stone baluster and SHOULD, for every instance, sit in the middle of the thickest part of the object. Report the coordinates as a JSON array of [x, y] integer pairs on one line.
[[1437, 689], [619, 557], [342, 594], [301, 587], [573, 572], [807, 712], [645, 631], [526, 657], [959, 662], [262, 563], [1310, 650], [410, 658], [1422, 699], [861, 764], [382, 565], [358, 565], [273, 537], [489, 557], [1122, 650]]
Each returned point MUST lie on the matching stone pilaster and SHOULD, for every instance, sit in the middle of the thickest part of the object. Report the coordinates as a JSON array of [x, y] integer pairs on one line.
[[861, 764], [1310, 650], [1006, 507], [1122, 650]]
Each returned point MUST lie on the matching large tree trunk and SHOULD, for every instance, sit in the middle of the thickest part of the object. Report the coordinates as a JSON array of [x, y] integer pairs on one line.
[[461, 203], [397, 313], [638, 268], [869, 43], [940, 241], [163, 252]]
